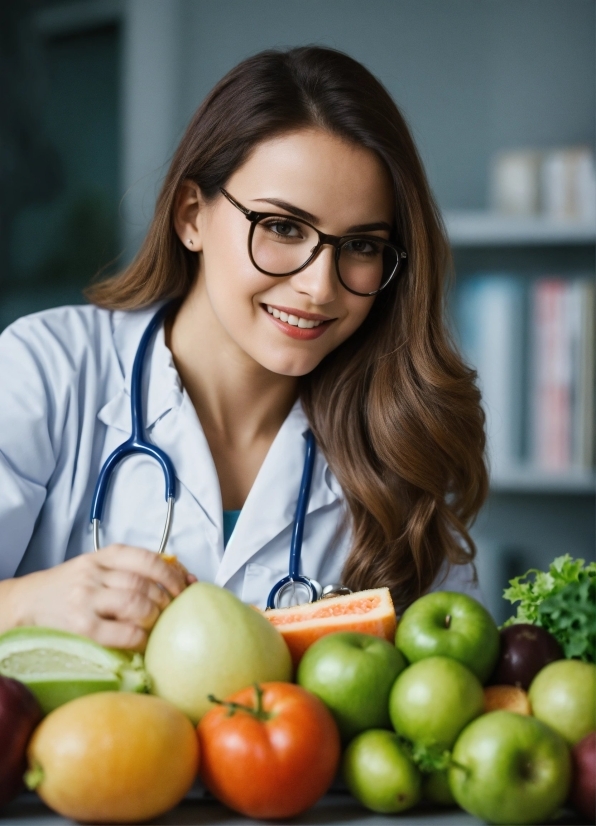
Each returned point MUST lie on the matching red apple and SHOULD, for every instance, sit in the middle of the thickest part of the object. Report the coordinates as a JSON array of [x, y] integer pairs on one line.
[[583, 785], [525, 650], [19, 715]]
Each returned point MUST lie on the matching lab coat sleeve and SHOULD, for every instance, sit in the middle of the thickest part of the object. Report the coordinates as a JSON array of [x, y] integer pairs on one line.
[[29, 434]]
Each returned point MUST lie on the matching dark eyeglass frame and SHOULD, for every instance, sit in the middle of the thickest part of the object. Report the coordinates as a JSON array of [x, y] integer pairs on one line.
[[335, 241]]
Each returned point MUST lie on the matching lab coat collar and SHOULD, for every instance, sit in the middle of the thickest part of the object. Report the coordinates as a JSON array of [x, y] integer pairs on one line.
[[162, 389]]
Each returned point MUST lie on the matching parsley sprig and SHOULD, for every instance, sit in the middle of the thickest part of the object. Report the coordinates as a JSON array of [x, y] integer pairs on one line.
[[563, 601]]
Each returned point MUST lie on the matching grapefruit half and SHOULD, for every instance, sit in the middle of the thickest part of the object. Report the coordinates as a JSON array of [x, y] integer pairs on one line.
[[369, 612]]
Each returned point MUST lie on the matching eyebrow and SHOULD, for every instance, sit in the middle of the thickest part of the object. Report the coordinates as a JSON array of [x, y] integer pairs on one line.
[[312, 219]]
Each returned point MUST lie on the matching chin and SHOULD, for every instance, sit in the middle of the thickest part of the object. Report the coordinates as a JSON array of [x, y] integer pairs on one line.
[[291, 366]]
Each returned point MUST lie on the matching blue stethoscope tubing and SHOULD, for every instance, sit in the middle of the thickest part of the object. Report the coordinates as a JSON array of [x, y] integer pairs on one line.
[[294, 577], [138, 444]]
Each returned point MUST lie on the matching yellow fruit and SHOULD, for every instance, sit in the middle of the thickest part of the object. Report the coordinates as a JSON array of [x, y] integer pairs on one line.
[[113, 758]]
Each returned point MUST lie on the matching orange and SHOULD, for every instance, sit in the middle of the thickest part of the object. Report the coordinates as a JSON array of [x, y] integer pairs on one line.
[[507, 697], [369, 612], [113, 757]]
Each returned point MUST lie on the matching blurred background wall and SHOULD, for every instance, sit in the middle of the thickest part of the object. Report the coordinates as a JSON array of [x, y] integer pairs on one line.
[[500, 97]]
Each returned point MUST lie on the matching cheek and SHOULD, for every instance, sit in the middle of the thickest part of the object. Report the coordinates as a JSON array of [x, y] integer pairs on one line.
[[231, 281]]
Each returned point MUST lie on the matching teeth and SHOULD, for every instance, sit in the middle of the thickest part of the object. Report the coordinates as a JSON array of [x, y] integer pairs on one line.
[[293, 320]]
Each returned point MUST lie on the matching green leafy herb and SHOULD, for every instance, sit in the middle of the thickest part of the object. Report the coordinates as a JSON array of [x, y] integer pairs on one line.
[[428, 759], [562, 600], [570, 616]]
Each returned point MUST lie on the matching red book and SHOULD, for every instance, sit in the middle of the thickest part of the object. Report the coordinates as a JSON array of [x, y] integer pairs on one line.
[[553, 373]]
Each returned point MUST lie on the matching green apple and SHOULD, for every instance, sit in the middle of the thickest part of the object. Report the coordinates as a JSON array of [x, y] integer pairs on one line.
[[352, 674], [379, 772], [509, 768], [449, 624], [563, 695], [432, 700]]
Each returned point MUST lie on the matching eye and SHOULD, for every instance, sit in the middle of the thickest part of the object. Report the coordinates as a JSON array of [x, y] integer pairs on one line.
[[362, 246], [282, 228]]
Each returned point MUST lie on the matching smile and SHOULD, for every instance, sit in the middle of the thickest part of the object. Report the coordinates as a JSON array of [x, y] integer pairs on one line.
[[297, 324], [293, 320]]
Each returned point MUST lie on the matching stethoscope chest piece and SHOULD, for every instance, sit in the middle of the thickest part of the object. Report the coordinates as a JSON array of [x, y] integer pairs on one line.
[[292, 591]]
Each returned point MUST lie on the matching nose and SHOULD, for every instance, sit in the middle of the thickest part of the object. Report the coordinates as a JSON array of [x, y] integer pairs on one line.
[[319, 280]]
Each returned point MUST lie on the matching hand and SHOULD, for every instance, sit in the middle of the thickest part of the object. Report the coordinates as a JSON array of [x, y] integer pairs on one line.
[[113, 596]]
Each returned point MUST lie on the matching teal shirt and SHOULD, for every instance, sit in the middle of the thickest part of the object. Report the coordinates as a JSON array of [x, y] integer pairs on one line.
[[229, 523]]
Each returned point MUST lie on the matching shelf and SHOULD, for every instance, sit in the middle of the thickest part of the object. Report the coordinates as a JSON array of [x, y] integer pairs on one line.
[[475, 228], [531, 480]]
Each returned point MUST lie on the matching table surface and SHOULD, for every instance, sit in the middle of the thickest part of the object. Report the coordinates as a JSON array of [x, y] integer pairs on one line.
[[332, 809]]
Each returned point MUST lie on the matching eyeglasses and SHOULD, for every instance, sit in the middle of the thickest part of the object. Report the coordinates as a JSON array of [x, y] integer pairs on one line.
[[281, 245]]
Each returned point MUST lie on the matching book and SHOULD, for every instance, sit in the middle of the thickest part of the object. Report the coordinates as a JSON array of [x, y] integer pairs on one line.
[[562, 399], [490, 316], [533, 344]]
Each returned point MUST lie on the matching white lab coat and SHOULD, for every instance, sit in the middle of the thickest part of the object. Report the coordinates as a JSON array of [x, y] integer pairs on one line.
[[65, 405]]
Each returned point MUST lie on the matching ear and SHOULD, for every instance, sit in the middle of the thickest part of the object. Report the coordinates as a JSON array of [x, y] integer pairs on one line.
[[188, 204]]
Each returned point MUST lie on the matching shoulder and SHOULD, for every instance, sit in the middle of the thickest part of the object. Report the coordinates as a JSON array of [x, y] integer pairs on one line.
[[68, 339], [66, 330]]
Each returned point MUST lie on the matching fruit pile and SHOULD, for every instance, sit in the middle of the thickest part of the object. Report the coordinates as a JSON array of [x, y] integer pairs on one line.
[[267, 707]]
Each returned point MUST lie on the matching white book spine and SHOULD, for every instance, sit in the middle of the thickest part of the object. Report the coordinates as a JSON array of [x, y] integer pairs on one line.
[[585, 423]]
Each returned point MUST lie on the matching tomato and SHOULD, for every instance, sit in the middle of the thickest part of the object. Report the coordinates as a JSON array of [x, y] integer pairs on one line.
[[269, 751]]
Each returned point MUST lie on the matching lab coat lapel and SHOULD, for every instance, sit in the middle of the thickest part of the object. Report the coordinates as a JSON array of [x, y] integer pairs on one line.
[[180, 434], [271, 504], [161, 384], [170, 422]]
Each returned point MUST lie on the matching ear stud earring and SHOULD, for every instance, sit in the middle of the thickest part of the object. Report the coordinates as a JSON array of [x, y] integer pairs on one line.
[[190, 242]]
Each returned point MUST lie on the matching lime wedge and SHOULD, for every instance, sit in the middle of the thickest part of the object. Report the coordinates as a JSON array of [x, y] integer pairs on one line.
[[58, 666]]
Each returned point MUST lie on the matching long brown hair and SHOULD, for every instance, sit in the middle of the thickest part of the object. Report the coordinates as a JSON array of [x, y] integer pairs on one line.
[[394, 409]]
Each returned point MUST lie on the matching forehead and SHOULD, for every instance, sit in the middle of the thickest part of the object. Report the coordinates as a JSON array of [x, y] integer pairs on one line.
[[340, 182]]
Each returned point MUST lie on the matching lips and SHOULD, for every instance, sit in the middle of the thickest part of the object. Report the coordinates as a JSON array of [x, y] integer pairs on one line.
[[296, 323]]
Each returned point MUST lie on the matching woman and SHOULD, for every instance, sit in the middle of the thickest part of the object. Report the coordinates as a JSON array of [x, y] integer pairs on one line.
[[302, 260]]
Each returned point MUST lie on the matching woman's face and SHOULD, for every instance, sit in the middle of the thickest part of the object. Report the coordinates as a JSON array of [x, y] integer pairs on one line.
[[342, 186]]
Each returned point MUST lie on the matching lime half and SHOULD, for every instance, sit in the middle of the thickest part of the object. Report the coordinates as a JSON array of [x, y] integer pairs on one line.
[[58, 666]]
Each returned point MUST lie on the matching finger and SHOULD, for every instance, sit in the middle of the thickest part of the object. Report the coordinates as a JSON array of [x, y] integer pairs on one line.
[[126, 606], [146, 563], [114, 634], [190, 578], [131, 581]]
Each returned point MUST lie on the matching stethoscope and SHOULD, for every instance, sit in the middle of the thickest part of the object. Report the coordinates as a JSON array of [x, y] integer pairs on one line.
[[293, 589]]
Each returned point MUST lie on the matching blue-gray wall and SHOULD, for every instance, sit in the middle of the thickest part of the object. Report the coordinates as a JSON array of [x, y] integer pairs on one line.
[[472, 76]]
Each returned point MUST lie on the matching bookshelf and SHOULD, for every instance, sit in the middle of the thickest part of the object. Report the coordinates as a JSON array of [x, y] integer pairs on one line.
[[529, 480], [495, 237], [531, 515], [479, 228]]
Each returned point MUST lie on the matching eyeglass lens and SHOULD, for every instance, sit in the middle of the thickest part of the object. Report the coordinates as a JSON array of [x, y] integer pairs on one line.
[[280, 246]]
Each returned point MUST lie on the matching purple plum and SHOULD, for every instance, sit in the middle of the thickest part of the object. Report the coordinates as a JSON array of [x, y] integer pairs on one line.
[[19, 715], [583, 787], [525, 650]]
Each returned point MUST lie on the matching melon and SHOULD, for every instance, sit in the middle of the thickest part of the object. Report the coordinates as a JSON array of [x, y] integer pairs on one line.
[[208, 642], [369, 612]]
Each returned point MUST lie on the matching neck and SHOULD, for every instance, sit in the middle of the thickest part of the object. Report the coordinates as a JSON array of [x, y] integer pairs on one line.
[[235, 397]]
